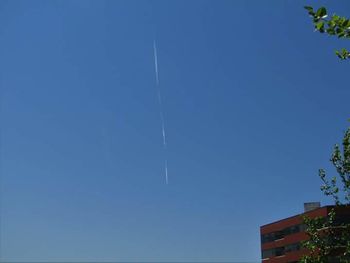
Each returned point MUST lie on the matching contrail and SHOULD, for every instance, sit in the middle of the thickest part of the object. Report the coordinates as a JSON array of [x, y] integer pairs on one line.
[[156, 64], [160, 109], [166, 172]]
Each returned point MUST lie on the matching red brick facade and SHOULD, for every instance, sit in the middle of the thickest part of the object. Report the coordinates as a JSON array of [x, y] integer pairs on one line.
[[280, 240]]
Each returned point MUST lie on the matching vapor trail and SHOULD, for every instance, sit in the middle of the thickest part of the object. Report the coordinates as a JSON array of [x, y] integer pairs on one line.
[[156, 63], [166, 172], [160, 109]]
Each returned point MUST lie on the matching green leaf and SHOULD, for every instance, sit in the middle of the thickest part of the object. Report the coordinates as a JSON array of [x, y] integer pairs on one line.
[[320, 26], [347, 25], [308, 8], [339, 30], [321, 12], [331, 23], [341, 35], [345, 22], [330, 31], [341, 21], [335, 18]]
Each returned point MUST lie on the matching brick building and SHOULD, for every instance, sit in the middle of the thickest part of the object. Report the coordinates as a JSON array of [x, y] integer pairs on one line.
[[281, 240]]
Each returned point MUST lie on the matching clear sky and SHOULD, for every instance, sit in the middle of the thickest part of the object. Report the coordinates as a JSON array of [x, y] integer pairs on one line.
[[253, 102]]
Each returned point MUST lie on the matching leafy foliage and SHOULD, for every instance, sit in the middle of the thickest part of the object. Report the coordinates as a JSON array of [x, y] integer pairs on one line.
[[341, 161], [334, 25], [318, 248], [328, 240], [326, 237]]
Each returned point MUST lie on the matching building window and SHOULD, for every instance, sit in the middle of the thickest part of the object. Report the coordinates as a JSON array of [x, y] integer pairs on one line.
[[273, 252], [268, 253], [282, 233], [279, 251], [292, 247]]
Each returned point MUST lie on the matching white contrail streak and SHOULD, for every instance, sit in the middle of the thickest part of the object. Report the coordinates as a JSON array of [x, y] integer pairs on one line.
[[161, 109], [156, 63], [166, 172]]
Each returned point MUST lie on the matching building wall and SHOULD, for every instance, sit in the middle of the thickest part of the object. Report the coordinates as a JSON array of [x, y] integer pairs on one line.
[[280, 240]]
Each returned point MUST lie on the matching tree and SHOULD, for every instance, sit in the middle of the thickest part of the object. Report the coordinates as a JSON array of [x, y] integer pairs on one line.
[[341, 161], [327, 238], [334, 25]]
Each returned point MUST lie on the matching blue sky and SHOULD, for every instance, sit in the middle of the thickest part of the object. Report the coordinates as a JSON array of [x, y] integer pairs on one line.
[[253, 101]]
